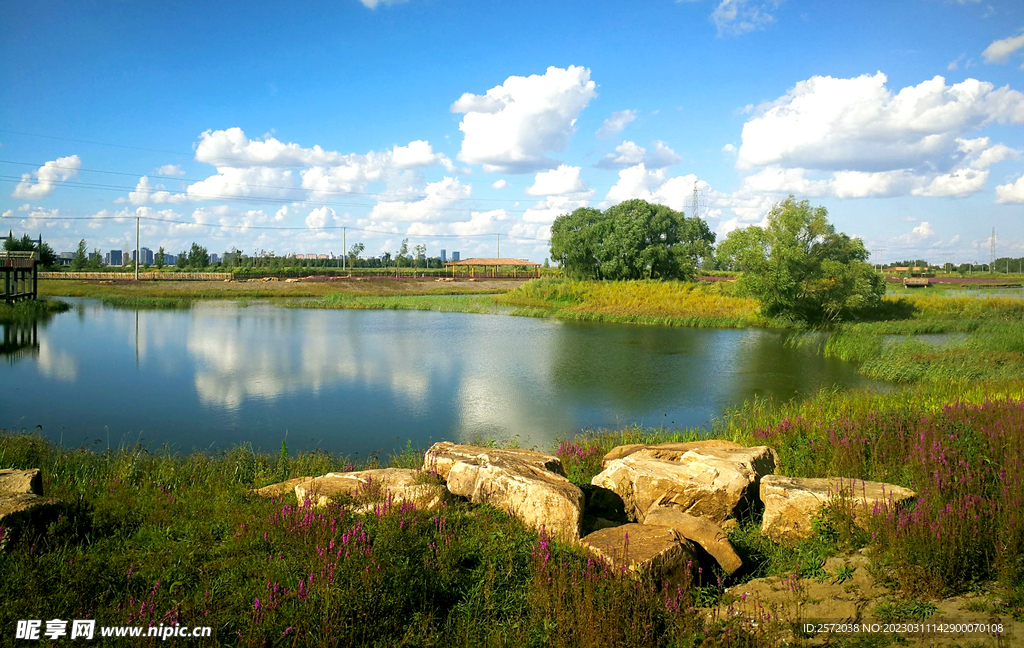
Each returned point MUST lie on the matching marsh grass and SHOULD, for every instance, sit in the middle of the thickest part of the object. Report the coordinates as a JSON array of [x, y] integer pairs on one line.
[[439, 303], [31, 310]]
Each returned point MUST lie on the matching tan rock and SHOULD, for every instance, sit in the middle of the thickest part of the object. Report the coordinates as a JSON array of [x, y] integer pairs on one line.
[[17, 482], [645, 549], [442, 456], [714, 482], [667, 451], [704, 532], [792, 503], [280, 488], [526, 484], [397, 485]]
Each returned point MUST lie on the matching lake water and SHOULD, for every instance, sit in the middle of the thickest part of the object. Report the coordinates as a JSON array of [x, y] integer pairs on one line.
[[359, 382]]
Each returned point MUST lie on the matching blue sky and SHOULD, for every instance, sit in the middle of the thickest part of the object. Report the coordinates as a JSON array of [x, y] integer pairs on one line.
[[446, 121]]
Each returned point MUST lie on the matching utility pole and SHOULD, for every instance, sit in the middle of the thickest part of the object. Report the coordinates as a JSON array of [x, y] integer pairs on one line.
[[344, 248], [136, 246], [992, 253], [499, 245]]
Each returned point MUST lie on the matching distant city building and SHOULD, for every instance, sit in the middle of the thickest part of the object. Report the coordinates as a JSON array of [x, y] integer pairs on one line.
[[147, 256], [214, 258], [444, 256], [65, 258], [455, 255], [170, 259], [114, 258]]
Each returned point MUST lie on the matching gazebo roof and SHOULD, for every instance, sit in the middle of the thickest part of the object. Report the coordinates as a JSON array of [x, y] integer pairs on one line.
[[484, 261]]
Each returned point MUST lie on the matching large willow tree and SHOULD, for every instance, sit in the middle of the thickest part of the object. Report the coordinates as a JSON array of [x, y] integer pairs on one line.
[[632, 240], [798, 265]]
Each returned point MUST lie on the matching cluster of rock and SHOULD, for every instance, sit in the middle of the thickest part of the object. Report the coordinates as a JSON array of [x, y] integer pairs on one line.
[[21, 500], [660, 509]]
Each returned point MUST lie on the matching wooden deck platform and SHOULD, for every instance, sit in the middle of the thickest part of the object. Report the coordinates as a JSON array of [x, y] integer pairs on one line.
[[20, 276]]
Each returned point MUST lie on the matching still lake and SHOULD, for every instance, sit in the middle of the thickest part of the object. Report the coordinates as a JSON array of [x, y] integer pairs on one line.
[[359, 382]]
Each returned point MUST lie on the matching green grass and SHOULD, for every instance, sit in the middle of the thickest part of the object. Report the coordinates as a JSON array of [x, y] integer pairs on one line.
[[32, 309], [442, 303]]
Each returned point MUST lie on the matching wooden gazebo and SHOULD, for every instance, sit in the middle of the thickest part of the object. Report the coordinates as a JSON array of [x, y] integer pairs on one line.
[[485, 263], [20, 277]]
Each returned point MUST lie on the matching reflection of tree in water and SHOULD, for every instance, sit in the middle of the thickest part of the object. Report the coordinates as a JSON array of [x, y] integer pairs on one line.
[[628, 366]]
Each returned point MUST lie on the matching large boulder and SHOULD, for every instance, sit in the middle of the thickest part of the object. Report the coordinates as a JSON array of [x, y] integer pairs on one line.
[[667, 451], [717, 482], [655, 551], [704, 532], [526, 484], [442, 456], [373, 487], [280, 488], [22, 502], [792, 503], [18, 482]]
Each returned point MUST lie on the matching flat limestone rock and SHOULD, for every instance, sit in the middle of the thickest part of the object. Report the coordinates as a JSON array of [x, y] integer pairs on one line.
[[792, 503], [17, 482], [645, 549], [442, 456], [667, 451], [713, 482], [19, 510], [526, 484], [280, 488], [706, 533], [400, 485]]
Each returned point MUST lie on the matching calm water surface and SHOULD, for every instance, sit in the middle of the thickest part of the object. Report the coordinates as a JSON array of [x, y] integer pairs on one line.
[[359, 382]]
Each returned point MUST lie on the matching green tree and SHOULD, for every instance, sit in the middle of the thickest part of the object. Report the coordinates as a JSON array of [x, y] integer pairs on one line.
[[729, 251], [632, 240], [81, 257], [798, 265], [95, 260], [47, 257], [158, 260], [575, 238], [182, 259], [198, 257]]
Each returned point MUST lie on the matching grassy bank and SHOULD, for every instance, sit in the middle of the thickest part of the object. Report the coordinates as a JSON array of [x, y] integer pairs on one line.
[[984, 339], [156, 538], [153, 538], [710, 304]]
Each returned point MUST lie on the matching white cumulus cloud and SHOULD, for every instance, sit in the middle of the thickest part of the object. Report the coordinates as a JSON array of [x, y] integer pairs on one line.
[[47, 177], [1012, 192], [735, 17], [630, 154], [499, 184], [514, 126], [169, 170], [858, 124], [146, 193], [615, 123], [999, 51], [557, 182], [435, 203]]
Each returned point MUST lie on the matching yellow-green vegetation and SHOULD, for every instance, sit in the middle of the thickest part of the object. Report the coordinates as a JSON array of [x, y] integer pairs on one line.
[[706, 304], [442, 303]]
